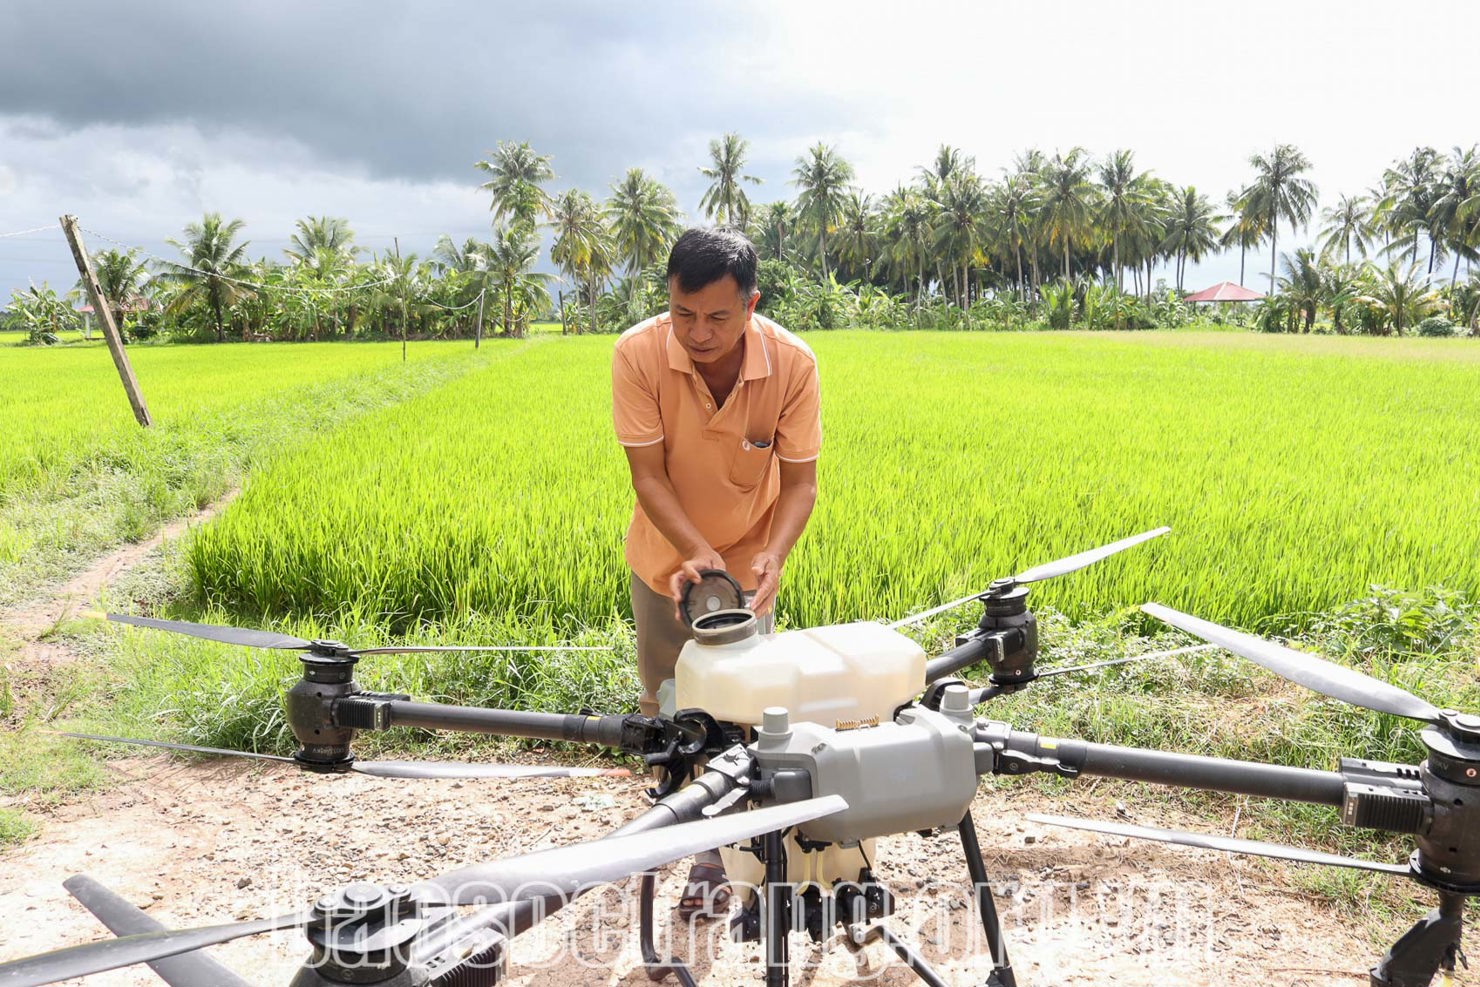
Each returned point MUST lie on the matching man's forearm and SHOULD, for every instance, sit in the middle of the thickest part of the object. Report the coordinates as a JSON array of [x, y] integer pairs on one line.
[[793, 509]]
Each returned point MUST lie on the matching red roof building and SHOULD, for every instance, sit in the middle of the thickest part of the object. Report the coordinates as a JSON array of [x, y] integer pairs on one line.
[[1225, 291]]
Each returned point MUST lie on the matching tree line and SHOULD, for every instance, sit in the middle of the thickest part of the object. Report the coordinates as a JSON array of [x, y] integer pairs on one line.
[[1054, 240]]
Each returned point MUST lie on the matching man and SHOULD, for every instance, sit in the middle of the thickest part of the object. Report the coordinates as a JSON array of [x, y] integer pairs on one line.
[[717, 410]]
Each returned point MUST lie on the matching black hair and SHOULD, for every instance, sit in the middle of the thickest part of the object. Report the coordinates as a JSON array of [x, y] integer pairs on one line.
[[701, 256]]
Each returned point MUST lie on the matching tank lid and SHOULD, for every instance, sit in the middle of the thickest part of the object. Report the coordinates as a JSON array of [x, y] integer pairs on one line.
[[722, 627]]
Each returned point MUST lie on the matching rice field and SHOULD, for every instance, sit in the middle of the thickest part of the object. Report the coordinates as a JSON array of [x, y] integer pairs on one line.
[[1295, 472], [78, 475]]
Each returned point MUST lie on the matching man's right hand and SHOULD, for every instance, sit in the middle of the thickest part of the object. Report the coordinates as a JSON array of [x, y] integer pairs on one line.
[[688, 572]]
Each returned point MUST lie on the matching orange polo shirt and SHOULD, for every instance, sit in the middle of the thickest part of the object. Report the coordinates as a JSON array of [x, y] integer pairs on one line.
[[724, 463]]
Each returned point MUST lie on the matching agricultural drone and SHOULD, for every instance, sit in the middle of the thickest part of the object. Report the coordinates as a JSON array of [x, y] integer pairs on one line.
[[796, 750]]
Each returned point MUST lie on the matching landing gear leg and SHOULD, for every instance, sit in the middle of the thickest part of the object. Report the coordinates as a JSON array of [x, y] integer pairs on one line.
[[1002, 975]]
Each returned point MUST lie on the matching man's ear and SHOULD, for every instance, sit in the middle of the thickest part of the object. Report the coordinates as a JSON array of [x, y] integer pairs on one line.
[[755, 296]]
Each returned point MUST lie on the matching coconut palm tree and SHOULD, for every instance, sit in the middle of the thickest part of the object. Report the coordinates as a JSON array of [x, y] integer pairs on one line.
[[770, 226], [961, 227], [521, 289], [515, 189], [1191, 230], [209, 275], [1245, 229], [1126, 205], [725, 201], [643, 215], [1341, 284], [1303, 285], [123, 278], [1348, 223], [583, 244], [1455, 214], [857, 235], [1011, 204], [1402, 294], [321, 232], [1280, 192], [1068, 200], [907, 236], [823, 177], [1410, 188]]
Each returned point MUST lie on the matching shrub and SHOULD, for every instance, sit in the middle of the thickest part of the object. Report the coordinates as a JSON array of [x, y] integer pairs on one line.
[[1436, 325]]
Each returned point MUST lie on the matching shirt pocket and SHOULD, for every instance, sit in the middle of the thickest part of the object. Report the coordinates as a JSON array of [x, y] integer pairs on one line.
[[750, 463]]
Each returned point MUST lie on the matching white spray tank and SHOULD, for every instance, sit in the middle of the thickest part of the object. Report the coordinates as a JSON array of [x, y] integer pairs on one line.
[[838, 675]]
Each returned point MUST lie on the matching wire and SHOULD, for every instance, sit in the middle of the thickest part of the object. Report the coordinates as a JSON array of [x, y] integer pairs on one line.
[[310, 293], [39, 229], [459, 308]]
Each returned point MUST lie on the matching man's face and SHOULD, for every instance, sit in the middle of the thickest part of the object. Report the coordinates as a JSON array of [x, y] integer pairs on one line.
[[710, 322]]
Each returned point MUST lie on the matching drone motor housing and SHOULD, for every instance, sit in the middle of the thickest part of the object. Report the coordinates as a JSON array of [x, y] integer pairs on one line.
[[837, 674]]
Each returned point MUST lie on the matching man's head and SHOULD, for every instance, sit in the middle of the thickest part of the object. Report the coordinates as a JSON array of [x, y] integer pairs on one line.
[[711, 291]]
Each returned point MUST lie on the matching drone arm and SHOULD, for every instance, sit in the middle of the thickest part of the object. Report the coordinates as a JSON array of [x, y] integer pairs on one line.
[[1020, 752], [973, 649], [607, 731]]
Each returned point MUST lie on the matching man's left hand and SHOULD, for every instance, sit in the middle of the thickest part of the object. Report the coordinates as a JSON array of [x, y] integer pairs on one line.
[[767, 569]]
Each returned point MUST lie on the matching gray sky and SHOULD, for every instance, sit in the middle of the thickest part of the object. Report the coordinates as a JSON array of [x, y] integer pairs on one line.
[[139, 117]]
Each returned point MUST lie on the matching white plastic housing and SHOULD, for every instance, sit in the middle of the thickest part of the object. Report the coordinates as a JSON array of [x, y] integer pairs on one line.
[[825, 675]]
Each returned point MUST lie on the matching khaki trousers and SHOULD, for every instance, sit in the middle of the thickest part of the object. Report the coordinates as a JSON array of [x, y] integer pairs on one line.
[[660, 637]]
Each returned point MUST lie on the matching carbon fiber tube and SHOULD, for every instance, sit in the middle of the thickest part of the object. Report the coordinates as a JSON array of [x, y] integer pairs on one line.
[[603, 730], [1181, 770], [962, 656]]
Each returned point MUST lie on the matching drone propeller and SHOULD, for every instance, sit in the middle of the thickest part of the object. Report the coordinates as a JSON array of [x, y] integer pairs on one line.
[[248, 638], [1048, 570], [1148, 656], [123, 919], [1302, 668], [387, 769], [110, 954], [1228, 844], [543, 874], [565, 871]]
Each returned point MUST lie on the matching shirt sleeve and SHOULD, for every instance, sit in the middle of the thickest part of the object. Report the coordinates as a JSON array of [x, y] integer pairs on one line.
[[634, 404], [799, 429]]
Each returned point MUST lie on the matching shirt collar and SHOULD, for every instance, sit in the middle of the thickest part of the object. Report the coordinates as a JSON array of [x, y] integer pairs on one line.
[[757, 352], [678, 357]]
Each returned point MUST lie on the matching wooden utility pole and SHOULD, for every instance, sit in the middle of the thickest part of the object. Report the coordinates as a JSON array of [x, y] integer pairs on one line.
[[105, 319]]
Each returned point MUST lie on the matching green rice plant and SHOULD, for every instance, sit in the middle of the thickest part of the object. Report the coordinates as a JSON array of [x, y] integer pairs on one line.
[[77, 475], [1295, 472]]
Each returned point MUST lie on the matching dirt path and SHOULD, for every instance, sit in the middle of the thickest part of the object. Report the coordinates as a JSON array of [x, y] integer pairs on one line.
[[30, 621], [202, 843]]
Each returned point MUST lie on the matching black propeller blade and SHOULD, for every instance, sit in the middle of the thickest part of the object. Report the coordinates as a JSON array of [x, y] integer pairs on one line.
[[1048, 570], [1302, 668], [543, 874], [213, 632], [110, 954], [123, 919], [1228, 844], [248, 638], [388, 769], [564, 871]]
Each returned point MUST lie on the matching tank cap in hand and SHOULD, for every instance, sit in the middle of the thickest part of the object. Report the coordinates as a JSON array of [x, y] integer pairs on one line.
[[716, 590]]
